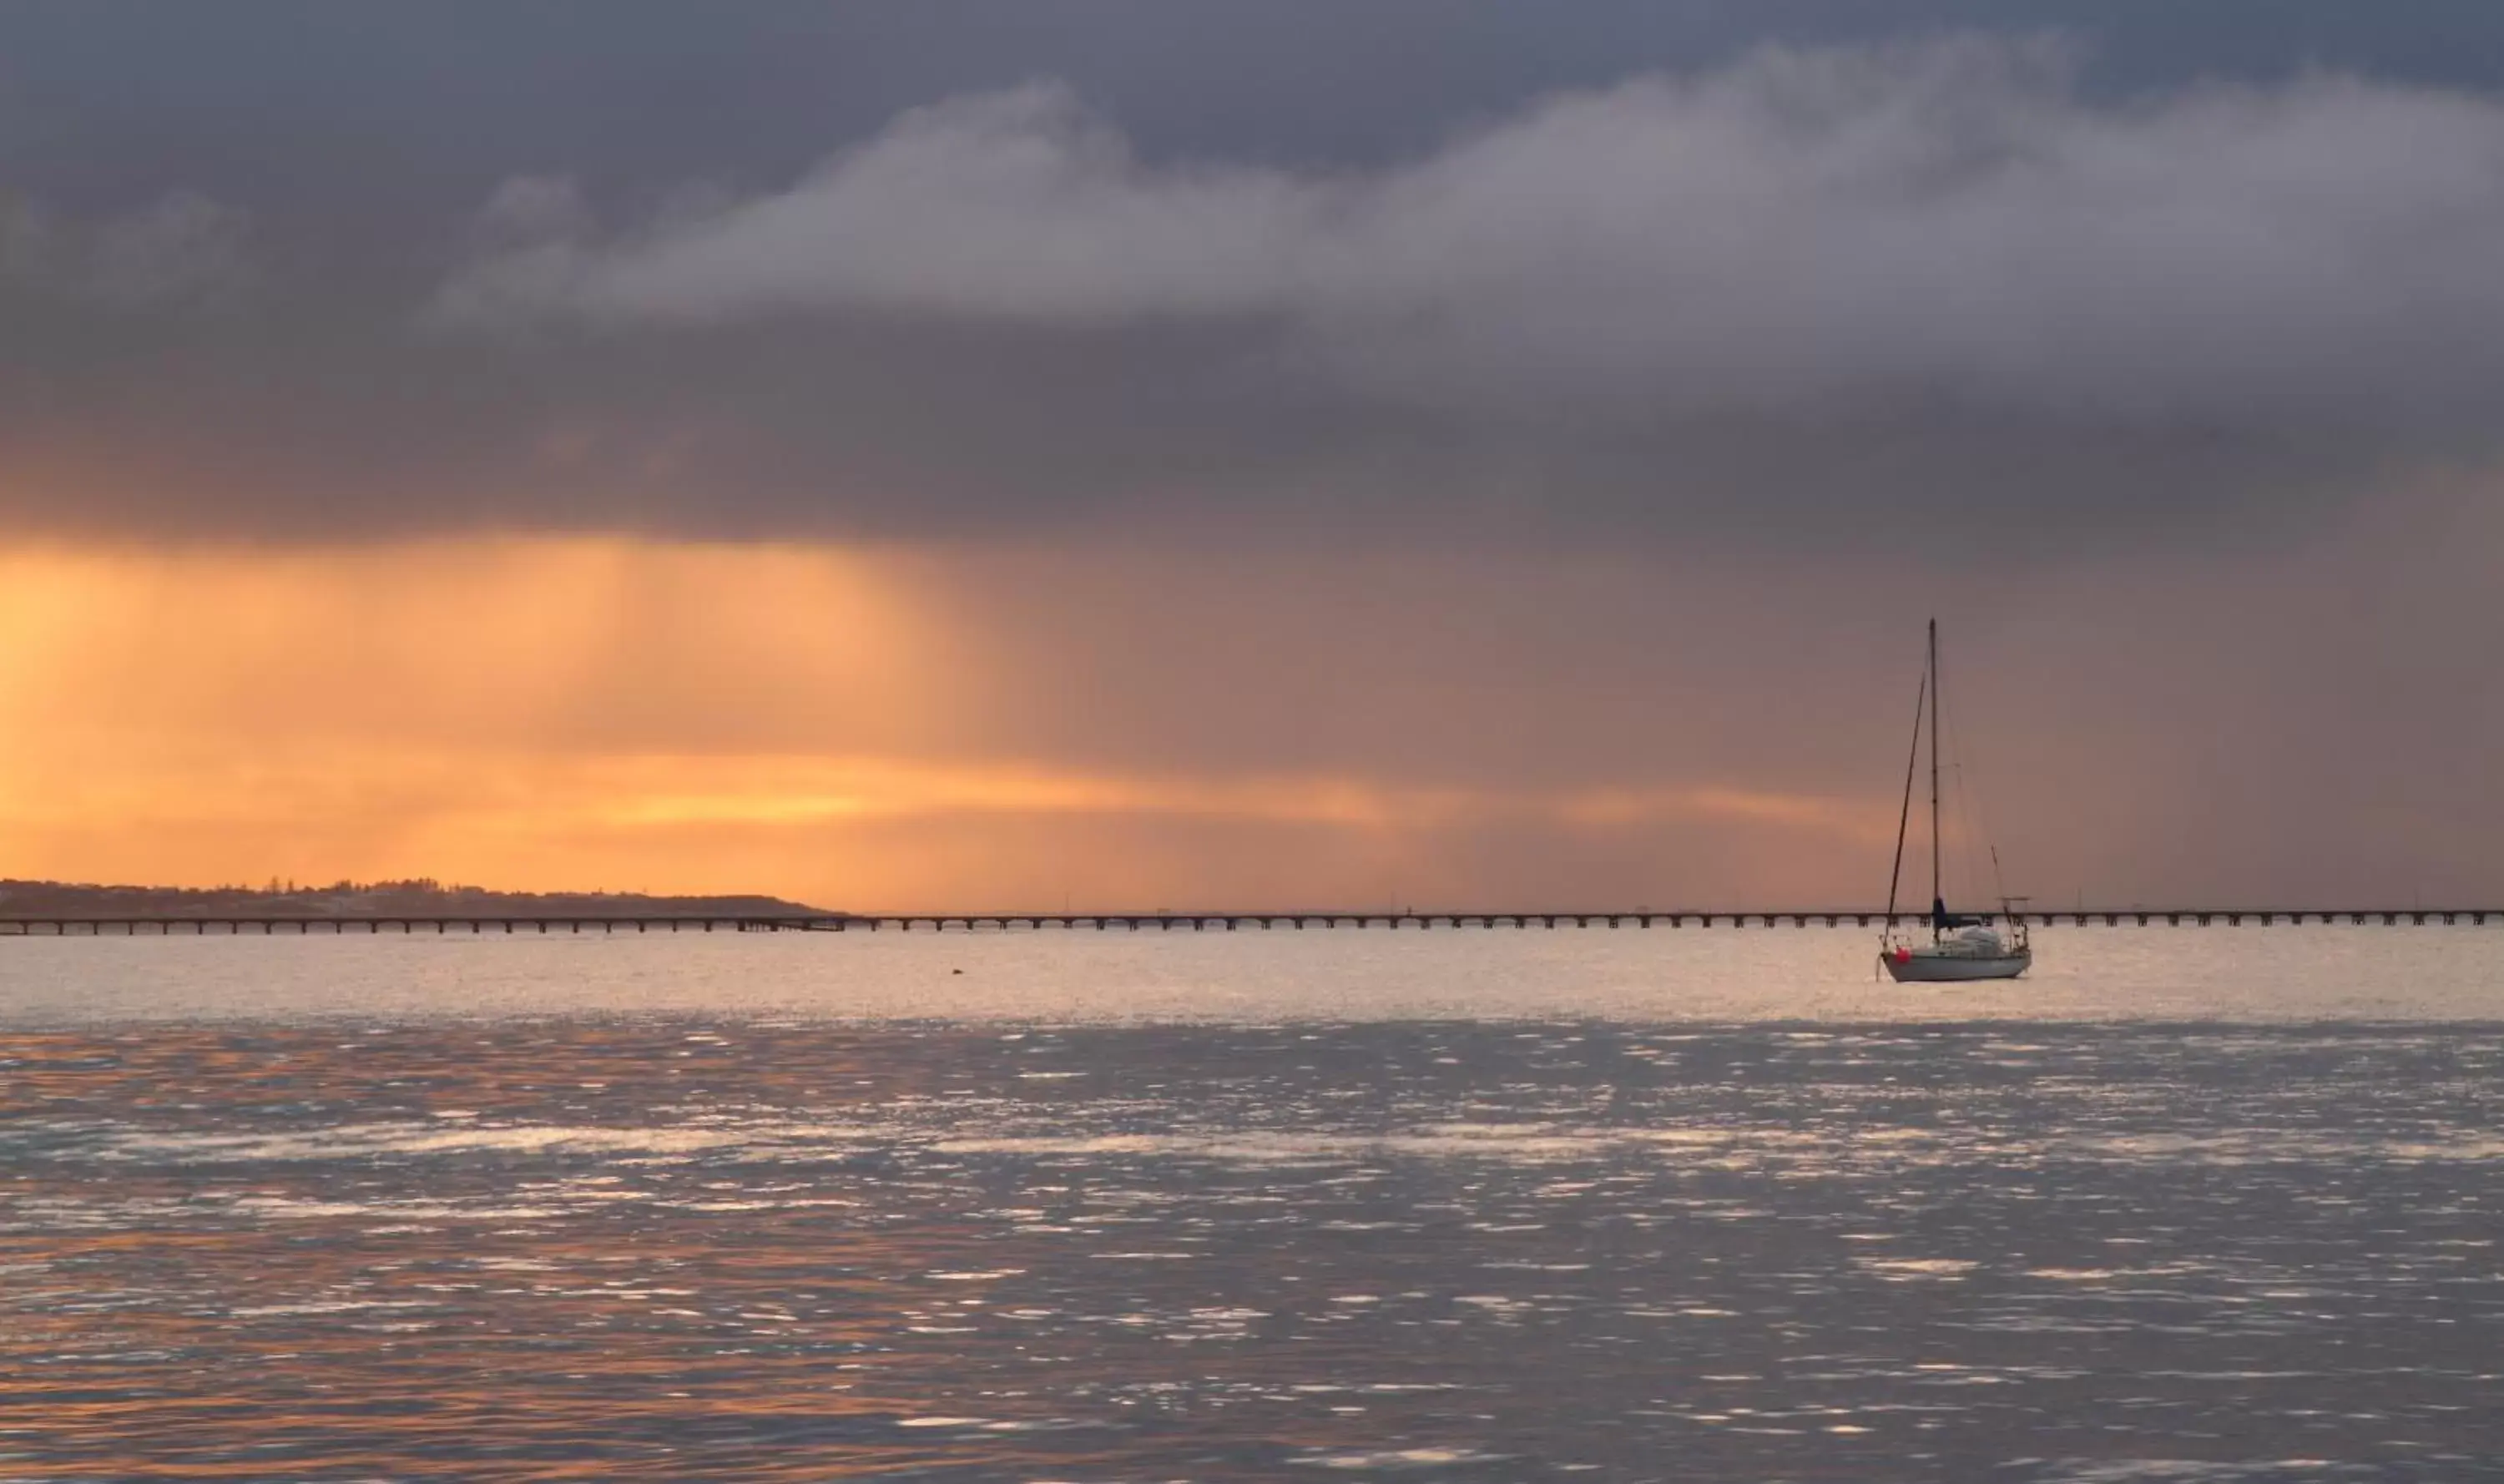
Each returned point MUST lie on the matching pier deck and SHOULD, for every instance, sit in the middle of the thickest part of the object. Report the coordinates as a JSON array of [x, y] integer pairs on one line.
[[1271, 921]]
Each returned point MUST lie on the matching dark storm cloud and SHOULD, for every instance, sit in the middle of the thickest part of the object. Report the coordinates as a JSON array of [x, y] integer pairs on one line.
[[346, 108], [1942, 223], [1606, 273]]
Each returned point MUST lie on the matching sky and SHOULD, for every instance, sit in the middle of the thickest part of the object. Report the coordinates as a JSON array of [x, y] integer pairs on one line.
[[1204, 454]]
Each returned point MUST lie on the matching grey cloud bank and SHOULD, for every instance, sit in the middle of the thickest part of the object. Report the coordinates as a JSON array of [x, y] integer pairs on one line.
[[183, 251], [1930, 301], [1863, 230]]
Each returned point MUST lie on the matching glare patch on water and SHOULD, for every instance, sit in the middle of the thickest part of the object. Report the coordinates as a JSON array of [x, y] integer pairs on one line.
[[1393, 1460]]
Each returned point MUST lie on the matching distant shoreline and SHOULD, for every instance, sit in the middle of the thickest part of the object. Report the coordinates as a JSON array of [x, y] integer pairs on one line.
[[401, 903], [21, 899]]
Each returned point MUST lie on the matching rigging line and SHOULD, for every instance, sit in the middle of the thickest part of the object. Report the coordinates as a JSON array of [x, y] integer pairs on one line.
[[1969, 833], [1964, 817], [1939, 908], [1990, 844], [1974, 811], [1952, 822], [1904, 815]]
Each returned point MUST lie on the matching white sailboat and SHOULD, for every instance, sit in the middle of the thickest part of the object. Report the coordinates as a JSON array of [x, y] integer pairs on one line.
[[1957, 947]]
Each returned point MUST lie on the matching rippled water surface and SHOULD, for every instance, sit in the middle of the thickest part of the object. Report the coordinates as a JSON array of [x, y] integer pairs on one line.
[[1495, 1206]]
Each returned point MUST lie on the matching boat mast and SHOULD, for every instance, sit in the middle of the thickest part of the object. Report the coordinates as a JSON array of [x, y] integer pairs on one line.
[[1938, 902], [1904, 815]]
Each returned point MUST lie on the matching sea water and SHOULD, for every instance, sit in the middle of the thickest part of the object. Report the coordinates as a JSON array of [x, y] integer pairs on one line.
[[1514, 1204]]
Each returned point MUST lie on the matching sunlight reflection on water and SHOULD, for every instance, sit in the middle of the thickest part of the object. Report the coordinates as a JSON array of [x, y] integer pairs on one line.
[[357, 1209], [1721, 974]]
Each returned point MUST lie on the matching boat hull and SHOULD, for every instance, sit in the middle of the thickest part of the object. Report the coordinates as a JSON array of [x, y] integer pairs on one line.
[[1920, 968]]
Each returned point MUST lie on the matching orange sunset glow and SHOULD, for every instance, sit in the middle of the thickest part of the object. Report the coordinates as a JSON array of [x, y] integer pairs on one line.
[[607, 713]]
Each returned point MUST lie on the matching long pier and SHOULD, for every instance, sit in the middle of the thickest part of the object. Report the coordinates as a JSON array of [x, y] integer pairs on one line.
[[1228, 922]]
